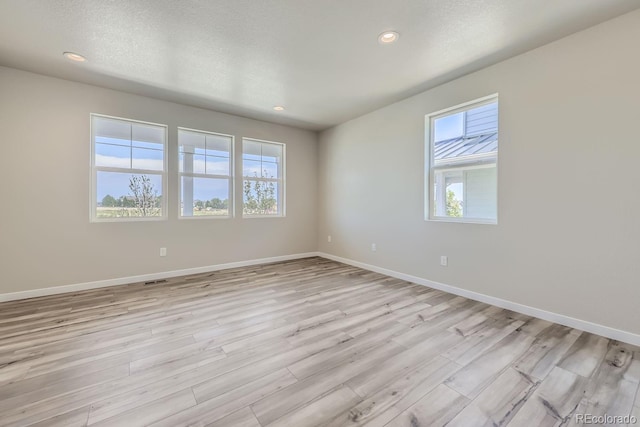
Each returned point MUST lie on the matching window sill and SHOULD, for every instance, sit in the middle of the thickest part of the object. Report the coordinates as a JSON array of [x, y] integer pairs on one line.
[[463, 220], [127, 219], [203, 217]]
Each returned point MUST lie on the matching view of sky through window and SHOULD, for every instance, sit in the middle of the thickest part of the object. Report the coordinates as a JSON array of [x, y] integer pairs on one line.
[[448, 127], [118, 153]]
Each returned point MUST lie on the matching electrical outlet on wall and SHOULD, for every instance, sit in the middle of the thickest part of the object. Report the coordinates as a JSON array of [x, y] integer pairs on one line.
[[329, 238], [444, 260], [163, 251], [374, 247]]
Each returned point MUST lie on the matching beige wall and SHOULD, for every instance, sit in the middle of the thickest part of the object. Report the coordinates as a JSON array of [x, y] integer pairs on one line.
[[46, 237], [568, 236]]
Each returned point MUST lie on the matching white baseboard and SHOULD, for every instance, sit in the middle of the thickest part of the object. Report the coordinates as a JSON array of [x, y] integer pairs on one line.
[[582, 325], [145, 277]]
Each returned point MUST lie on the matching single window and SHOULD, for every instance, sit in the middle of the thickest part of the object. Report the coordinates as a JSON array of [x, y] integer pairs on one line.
[[462, 163], [128, 168], [206, 171], [263, 178]]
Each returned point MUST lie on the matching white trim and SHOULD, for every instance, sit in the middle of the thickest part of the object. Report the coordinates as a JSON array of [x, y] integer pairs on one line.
[[210, 132], [485, 159], [478, 102], [428, 178], [467, 220], [204, 217], [146, 277], [583, 325]]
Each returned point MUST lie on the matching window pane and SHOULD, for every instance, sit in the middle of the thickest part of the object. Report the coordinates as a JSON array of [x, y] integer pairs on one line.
[[190, 139], [199, 164], [261, 159], [147, 159], [192, 163], [149, 145], [113, 141], [251, 168], [104, 127], [468, 133], [128, 195], [191, 142], [466, 193], [251, 150], [218, 145], [449, 194], [269, 170], [114, 156], [195, 149], [451, 126], [481, 200], [211, 153], [271, 152], [482, 120], [218, 153], [143, 134], [260, 198], [204, 196], [217, 165]]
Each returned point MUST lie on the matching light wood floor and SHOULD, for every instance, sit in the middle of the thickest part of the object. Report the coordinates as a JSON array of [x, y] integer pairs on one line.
[[301, 343]]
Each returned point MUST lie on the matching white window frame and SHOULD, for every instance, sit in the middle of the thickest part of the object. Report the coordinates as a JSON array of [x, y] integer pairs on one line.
[[93, 204], [468, 162], [281, 180], [230, 177]]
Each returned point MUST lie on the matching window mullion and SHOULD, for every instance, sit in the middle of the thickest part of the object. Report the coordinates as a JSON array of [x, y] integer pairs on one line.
[[131, 146]]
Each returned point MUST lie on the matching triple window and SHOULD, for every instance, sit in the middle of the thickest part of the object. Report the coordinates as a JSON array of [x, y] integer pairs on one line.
[[462, 163], [129, 173]]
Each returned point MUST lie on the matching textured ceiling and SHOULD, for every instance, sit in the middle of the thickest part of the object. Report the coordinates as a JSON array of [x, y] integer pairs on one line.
[[319, 58]]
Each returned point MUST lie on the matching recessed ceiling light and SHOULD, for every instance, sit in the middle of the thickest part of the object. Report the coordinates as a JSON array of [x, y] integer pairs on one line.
[[278, 108], [388, 37], [74, 57]]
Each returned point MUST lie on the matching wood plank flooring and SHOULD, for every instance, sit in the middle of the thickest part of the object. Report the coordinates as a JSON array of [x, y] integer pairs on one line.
[[309, 342]]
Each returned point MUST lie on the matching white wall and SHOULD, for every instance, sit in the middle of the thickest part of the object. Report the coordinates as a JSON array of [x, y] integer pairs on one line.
[[569, 189], [45, 236]]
